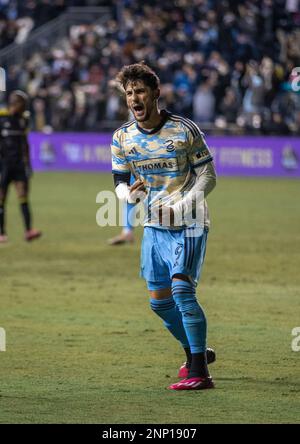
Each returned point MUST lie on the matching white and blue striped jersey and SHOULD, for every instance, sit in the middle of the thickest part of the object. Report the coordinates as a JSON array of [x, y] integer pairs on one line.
[[165, 158]]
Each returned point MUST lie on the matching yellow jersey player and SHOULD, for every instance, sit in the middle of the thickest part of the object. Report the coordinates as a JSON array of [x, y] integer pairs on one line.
[[174, 169], [15, 161]]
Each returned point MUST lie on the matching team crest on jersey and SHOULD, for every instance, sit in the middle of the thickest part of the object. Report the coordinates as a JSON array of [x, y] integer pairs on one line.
[[156, 166], [170, 146]]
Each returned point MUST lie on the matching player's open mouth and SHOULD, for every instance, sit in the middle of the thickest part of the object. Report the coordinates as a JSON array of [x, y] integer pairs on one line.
[[138, 110]]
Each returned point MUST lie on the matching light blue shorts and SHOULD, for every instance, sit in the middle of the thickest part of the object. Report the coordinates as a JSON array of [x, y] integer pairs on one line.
[[168, 252]]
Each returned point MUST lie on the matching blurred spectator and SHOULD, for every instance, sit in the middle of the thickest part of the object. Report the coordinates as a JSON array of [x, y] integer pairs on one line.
[[253, 101], [276, 125], [230, 106], [204, 101], [221, 63]]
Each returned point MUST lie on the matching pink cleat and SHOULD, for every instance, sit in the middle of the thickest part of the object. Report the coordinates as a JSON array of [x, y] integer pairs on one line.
[[193, 384], [32, 234], [3, 238]]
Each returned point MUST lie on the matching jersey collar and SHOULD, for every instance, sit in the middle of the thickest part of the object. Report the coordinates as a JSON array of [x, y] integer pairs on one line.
[[165, 115]]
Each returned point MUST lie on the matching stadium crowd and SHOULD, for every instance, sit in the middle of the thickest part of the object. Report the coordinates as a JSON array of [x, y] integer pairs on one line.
[[229, 65]]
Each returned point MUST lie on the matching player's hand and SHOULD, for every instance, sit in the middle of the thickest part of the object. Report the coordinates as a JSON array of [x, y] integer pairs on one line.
[[137, 192]]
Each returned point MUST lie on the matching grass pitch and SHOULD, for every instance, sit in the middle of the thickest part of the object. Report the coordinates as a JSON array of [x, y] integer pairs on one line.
[[83, 345]]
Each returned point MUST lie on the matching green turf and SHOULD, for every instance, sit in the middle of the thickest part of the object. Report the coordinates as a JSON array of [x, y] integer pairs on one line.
[[83, 345]]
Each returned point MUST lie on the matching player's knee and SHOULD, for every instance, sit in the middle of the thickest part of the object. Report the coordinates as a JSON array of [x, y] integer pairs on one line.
[[159, 290]]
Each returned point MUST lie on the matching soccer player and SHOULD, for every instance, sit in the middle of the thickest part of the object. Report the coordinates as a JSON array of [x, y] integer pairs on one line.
[[15, 161], [173, 166]]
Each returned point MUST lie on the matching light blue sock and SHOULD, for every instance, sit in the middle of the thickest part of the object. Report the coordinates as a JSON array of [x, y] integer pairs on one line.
[[166, 309], [193, 317]]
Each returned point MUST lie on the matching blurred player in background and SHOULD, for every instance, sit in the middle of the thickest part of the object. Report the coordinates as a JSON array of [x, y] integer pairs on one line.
[[15, 163], [171, 160]]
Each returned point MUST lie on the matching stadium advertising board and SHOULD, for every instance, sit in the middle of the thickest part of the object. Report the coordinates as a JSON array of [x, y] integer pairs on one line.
[[234, 156]]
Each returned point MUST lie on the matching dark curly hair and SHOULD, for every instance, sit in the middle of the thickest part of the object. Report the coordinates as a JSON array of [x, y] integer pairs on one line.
[[135, 72]]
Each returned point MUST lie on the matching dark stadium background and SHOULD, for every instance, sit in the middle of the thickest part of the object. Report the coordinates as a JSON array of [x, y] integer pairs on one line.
[[226, 64]]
